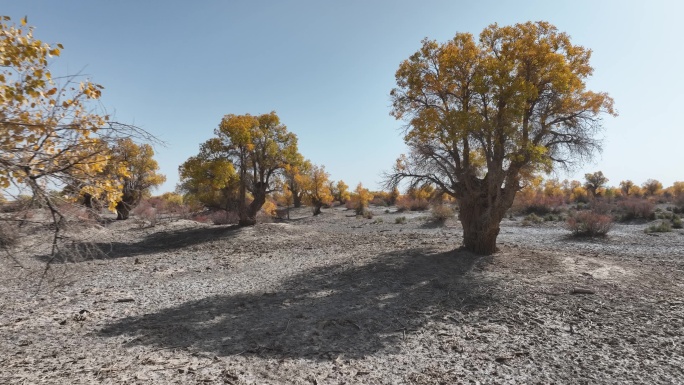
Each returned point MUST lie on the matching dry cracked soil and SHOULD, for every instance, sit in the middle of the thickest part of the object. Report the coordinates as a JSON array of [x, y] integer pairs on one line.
[[336, 299]]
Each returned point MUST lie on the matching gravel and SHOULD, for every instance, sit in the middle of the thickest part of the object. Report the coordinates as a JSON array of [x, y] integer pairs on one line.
[[336, 299]]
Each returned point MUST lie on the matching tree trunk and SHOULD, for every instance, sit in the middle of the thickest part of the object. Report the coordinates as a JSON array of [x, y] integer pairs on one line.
[[88, 200], [123, 211], [249, 212], [297, 199], [317, 208], [480, 225]]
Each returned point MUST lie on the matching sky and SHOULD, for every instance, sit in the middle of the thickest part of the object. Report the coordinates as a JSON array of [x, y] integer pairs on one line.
[[175, 68]]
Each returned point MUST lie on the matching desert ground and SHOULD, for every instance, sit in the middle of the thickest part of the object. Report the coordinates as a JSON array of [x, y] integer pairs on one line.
[[336, 299]]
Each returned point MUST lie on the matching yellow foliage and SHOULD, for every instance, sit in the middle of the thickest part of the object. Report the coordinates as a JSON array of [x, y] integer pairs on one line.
[[424, 192], [579, 194], [211, 182], [343, 193], [315, 186], [363, 197], [635, 191], [652, 187], [485, 117], [677, 189], [626, 186], [48, 135], [269, 208], [172, 198], [552, 188]]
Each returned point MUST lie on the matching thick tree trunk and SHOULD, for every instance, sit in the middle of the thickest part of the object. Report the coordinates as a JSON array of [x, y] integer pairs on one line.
[[123, 211], [88, 200], [297, 199], [317, 209], [249, 212], [480, 222]]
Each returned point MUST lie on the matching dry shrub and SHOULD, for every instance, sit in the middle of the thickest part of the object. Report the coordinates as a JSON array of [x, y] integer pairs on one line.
[[263, 217], [406, 203], [282, 213], [532, 219], [77, 212], [9, 235], [21, 203], [440, 213], [538, 204], [365, 213], [169, 204], [662, 227], [379, 201], [634, 208], [589, 224], [223, 217], [146, 212], [601, 206], [679, 201]]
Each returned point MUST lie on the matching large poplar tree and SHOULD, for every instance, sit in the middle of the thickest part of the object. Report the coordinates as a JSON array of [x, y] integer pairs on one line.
[[259, 148], [484, 116]]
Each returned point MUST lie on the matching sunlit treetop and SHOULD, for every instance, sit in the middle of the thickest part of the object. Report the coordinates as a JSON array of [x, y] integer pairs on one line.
[[49, 134]]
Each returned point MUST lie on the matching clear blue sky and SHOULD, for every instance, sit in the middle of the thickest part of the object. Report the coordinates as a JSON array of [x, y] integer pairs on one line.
[[175, 68]]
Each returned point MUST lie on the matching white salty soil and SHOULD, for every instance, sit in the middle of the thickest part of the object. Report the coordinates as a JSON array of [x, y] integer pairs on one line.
[[336, 299]]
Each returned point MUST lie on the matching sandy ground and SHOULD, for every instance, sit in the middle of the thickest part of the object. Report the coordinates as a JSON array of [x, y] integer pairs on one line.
[[337, 299]]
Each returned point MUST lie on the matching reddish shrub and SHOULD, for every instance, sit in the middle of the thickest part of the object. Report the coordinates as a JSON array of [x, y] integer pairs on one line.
[[223, 217], [406, 203], [147, 212], [440, 213], [634, 208], [589, 224], [379, 201], [538, 204]]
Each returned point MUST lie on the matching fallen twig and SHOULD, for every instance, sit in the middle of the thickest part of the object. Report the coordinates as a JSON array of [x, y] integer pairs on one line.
[[582, 290]]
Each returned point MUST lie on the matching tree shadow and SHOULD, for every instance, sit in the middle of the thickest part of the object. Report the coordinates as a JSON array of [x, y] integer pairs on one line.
[[349, 309], [161, 241]]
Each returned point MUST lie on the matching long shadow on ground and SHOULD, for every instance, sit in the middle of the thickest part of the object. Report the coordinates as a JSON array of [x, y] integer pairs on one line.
[[163, 241], [348, 309]]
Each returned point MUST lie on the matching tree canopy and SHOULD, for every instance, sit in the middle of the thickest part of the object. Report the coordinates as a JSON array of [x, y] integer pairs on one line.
[[484, 116], [134, 166], [258, 148], [49, 135]]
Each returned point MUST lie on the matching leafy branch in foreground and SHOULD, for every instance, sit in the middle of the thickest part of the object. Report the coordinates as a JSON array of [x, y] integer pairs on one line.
[[50, 136]]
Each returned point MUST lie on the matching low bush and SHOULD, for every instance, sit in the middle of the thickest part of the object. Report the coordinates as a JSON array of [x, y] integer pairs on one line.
[[662, 227], [664, 215], [589, 224], [440, 213], [223, 217], [406, 203], [635, 208], [676, 222], [554, 218], [146, 212], [532, 219], [540, 205], [400, 220], [379, 201]]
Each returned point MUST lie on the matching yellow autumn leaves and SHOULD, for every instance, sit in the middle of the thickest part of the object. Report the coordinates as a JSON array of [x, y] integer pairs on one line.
[[49, 136]]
